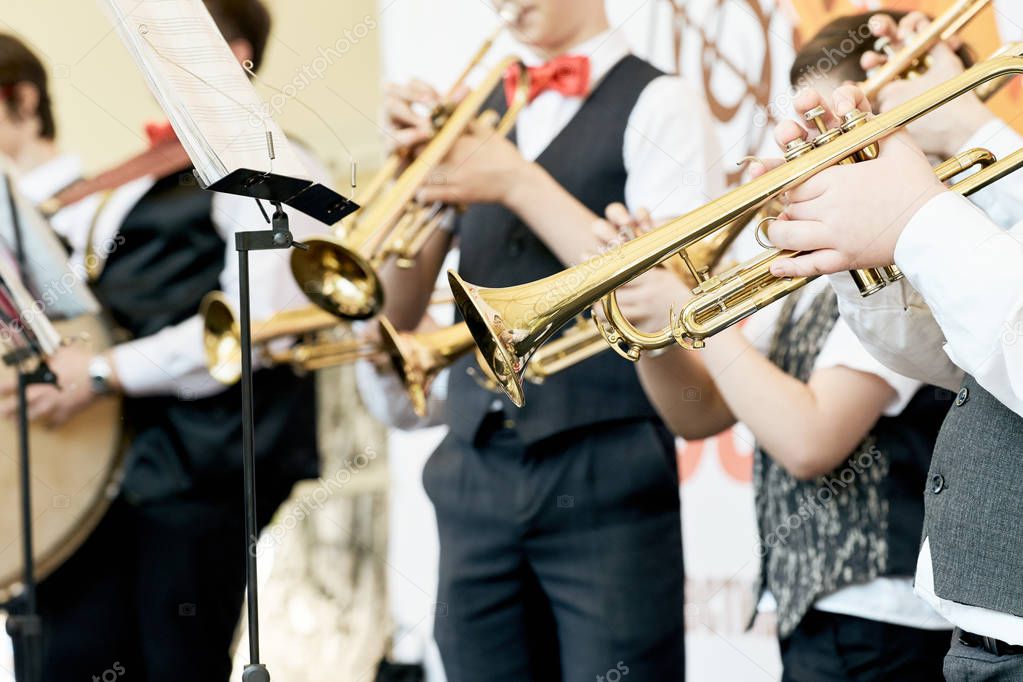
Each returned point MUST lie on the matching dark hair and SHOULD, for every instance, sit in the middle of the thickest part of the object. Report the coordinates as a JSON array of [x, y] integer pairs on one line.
[[18, 65], [836, 49], [247, 20]]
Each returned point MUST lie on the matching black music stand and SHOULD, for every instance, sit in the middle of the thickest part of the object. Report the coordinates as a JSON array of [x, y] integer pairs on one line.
[[327, 206], [23, 622]]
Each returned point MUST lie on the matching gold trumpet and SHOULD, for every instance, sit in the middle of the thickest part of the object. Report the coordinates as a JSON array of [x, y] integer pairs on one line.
[[339, 274], [417, 358], [913, 60], [222, 334], [510, 324], [738, 293]]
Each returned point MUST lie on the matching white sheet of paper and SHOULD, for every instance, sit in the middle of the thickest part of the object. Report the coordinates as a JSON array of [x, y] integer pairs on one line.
[[206, 94]]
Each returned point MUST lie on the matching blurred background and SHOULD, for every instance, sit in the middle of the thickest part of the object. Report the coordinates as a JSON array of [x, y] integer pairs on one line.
[[349, 566]]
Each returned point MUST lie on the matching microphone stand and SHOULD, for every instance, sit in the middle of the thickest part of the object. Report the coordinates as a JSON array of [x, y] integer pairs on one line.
[[277, 238], [23, 624]]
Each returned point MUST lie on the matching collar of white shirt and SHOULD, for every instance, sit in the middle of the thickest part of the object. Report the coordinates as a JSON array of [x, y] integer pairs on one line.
[[42, 182], [604, 50]]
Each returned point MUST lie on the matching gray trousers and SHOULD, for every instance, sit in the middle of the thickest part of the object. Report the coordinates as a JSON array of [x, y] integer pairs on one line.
[[560, 561], [972, 664]]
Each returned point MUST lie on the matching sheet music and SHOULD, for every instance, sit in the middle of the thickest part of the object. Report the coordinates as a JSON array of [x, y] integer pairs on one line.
[[206, 94], [30, 321], [52, 286]]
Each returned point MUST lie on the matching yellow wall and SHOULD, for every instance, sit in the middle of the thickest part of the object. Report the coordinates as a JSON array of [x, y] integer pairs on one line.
[[102, 102]]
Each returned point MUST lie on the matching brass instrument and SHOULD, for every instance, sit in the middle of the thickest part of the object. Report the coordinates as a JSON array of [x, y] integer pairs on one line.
[[222, 334], [750, 286], [510, 324], [339, 274], [912, 60], [580, 342], [417, 357]]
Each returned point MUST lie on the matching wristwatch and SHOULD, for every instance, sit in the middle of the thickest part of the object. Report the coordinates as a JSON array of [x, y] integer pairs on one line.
[[100, 373]]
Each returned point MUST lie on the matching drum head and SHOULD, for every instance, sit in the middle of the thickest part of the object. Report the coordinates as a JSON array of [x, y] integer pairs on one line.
[[73, 471]]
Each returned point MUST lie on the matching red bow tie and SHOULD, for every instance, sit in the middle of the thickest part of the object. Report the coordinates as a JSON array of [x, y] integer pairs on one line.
[[567, 74], [160, 133]]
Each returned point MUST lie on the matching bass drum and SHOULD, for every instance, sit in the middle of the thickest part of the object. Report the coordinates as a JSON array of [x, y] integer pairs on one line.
[[75, 473]]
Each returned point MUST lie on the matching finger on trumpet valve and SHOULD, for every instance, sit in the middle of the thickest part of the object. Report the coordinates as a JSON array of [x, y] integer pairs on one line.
[[852, 120]]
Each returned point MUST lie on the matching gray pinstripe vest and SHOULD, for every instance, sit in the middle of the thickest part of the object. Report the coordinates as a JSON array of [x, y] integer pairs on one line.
[[974, 504]]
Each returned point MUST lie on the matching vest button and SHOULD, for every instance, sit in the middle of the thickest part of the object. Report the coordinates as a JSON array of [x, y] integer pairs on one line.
[[937, 483], [963, 396]]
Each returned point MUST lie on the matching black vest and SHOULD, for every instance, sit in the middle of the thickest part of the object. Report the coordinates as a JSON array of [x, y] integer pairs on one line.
[[863, 519], [499, 250], [973, 501], [167, 257]]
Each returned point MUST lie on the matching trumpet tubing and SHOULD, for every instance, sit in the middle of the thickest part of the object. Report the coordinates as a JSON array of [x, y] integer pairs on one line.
[[510, 324], [911, 59], [339, 274], [749, 287], [222, 335], [312, 357], [581, 342]]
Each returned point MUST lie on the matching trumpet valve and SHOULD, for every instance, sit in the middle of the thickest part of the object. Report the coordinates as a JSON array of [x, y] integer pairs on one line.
[[816, 116], [797, 148], [884, 44], [825, 134], [854, 119], [892, 273], [868, 281]]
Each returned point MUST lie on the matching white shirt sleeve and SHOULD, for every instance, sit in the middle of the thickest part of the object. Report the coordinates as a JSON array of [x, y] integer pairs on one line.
[[1002, 201], [843, 349], [970, 273], [172, 361], [896, 327], [671, 152]]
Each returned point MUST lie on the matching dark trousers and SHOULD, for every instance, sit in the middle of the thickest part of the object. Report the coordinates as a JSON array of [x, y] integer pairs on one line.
[[836, 648], [155, 593], [965, 663], [562, 560]]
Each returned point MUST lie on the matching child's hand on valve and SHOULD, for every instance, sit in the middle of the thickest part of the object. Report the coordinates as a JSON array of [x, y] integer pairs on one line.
[[940, 134], [849, 216]]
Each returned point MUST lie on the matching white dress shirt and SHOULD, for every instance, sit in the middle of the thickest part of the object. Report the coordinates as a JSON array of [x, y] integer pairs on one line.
[[670, 153], [959, 310], [172, 361]]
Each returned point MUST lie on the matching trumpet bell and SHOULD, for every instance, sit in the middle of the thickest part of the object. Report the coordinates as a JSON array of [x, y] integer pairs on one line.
[[337, 279], [393, 344], [221, 340], [505, 362]]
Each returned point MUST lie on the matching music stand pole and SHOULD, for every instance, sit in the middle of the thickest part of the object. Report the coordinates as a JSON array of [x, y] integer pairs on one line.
[[26, 626], [279, 237]]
